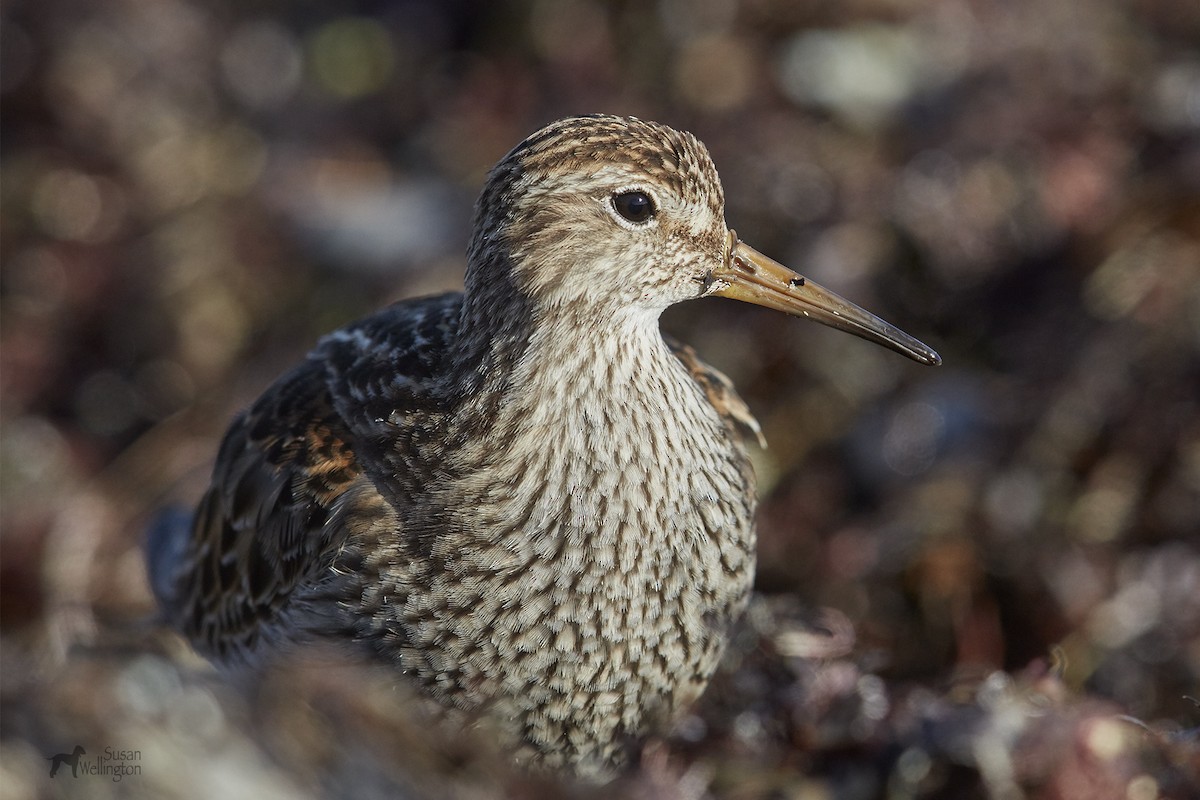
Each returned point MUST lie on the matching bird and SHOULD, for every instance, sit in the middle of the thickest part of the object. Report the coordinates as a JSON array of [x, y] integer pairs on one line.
[[522, 496]]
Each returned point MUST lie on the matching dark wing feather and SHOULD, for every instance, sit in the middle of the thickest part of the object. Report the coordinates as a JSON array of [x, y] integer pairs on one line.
[[261, 529], [385, 375], [290, 485]]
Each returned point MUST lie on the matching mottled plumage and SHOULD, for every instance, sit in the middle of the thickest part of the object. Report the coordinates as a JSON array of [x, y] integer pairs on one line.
[[521, 495]]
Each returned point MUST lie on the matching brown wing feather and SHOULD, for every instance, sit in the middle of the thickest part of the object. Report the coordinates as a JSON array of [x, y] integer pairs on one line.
[[720, 392]]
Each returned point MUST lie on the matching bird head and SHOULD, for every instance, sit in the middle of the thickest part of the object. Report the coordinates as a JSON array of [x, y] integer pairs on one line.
[[608, 217]]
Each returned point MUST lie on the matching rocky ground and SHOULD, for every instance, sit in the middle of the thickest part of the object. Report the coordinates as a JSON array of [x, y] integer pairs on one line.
[[976, 581]]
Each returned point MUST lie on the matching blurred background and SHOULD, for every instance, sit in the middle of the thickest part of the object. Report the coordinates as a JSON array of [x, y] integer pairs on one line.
[[981, 580]]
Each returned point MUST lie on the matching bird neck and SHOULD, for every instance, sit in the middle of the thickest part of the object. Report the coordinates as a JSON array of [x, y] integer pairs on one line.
[[587, 384], [510, 338], [495, 327], [586, 357]]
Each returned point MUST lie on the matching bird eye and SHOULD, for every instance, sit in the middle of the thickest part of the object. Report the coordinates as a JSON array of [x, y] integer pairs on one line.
[[637, 207]]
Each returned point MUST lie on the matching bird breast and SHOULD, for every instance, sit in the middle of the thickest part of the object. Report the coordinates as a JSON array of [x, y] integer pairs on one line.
[[609, 543]]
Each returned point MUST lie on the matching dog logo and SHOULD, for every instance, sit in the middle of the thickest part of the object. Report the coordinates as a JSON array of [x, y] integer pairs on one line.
[[57, 761]]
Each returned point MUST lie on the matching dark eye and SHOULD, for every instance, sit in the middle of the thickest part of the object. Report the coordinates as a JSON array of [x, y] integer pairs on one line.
[[637, 207]]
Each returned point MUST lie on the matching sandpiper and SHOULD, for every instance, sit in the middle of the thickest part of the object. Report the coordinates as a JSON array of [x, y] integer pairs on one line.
[[522, 495]]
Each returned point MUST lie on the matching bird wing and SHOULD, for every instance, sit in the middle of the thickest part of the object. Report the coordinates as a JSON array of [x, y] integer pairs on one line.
[[720, 392], [291, 483], [263, 527]]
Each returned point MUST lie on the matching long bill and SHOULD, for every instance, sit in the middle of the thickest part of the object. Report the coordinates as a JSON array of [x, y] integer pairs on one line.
[[750, 276]]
